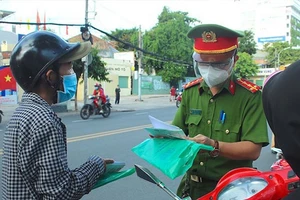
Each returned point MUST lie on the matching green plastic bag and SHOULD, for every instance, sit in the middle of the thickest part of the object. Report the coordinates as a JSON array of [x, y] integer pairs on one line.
[[113, 177], [173, 157]]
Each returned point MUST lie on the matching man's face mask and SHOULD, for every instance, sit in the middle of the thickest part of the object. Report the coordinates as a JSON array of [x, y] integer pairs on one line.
[[70, 85], [214, 73]]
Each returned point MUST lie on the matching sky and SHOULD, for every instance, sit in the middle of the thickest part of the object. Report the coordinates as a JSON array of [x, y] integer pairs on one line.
[[109, 15]]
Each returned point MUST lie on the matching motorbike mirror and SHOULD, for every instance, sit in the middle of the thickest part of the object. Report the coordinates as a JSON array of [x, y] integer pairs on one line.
[[277, 150], [145, 174]]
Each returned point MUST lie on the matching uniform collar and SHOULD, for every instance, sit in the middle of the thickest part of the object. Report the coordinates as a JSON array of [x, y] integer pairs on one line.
[[229, 86]]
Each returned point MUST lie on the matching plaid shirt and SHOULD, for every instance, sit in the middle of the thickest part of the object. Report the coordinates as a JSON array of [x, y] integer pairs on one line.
[[35, 163]]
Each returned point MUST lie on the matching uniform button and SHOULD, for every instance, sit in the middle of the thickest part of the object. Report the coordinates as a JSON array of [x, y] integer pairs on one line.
[[208, 121], [211, 100], [201, 163], [227, 131]]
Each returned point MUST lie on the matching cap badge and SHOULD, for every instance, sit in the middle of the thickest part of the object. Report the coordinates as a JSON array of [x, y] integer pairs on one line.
[[209, 36]]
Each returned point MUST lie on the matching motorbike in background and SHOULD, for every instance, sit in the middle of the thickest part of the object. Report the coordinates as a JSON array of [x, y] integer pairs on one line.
[[1, 114], [178, 99], [91, 108], [244, 183]]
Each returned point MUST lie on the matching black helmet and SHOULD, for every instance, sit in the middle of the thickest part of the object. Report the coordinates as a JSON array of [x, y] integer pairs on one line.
[[36, 53]]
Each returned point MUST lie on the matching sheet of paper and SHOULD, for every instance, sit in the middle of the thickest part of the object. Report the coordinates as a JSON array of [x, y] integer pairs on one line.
[[162, 129], [156, 123]]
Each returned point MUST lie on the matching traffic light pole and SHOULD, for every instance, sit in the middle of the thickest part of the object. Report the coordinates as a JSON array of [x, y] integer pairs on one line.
[[85, 71]]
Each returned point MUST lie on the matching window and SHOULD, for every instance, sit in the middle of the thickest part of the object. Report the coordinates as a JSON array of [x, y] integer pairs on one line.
[[287, 17], [287, 25], [123, 81], [287, 34]]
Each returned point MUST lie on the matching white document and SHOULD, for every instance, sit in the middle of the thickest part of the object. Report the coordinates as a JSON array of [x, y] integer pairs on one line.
[[162, 129]]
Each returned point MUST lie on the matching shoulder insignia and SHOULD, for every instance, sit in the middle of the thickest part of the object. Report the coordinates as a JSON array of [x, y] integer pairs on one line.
[[193, 83], [248, 85]]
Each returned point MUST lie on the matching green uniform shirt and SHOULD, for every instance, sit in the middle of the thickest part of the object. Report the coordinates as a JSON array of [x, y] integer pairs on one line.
[[199, 113]]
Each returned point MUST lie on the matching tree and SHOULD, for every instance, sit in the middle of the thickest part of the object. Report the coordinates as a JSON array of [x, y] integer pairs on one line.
[[96, 70], [127, 35], [286, 56], [247, 43], [245, 66], [168, 39]]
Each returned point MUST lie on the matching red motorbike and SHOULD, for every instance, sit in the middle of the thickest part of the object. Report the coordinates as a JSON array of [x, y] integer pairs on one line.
[[244, 183], [92, 108]]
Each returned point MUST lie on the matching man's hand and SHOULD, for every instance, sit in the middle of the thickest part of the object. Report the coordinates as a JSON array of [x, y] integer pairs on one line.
[[201, 139]]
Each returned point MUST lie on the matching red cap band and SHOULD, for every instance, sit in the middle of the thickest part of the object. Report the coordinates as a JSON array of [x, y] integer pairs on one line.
[[222, 45]]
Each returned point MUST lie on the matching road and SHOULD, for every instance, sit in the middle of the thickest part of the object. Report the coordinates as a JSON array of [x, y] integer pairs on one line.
[[113, 138]]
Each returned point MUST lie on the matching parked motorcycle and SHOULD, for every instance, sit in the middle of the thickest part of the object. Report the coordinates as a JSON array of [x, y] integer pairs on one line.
[[91, 108], [1, 114], [244, 183]]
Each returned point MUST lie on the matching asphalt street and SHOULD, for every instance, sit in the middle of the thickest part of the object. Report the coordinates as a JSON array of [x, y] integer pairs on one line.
[[114, 137]]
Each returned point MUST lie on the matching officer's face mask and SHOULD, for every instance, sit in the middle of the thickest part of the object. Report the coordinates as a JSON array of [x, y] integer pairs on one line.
[[213, 73], [70, 85]]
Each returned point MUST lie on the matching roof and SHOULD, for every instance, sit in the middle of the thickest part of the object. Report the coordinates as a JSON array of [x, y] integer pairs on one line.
[[106, 49]]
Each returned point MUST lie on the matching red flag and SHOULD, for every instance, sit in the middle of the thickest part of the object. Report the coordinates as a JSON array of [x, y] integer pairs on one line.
[[38, 20], [7, 81], [45, 21], [67, 30]]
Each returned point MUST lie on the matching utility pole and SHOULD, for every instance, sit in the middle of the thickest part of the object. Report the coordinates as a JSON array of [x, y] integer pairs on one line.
[[85, 72], [140, 64]]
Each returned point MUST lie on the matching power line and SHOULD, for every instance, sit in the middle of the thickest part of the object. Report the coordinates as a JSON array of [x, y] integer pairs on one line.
[[158, 56]]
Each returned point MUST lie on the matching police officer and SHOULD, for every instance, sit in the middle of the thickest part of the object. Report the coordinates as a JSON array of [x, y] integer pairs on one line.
[[220, 110], [35, 162], [281, 102]]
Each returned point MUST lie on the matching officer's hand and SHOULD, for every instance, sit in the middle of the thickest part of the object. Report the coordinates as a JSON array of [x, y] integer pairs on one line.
[[201, 139]]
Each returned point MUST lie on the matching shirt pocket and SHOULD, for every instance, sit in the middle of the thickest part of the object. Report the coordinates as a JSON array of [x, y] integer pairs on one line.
[[193, 122], [229, 132]]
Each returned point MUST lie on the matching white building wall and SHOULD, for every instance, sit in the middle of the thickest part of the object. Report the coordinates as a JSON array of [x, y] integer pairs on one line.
[[268, 19]]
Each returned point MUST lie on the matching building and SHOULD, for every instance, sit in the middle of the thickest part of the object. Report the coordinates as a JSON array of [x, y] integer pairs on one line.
[[120, 69], [270, 20]]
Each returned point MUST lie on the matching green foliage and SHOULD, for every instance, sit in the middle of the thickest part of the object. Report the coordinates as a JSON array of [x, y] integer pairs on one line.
[[287, 54], [130, 36], [247, 43], [96, 70], [245, 66], [168, 38], [295, 35], [172, 73]]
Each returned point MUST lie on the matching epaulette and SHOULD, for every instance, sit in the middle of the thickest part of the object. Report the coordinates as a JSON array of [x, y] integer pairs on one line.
[[248, 85], [193, 83]]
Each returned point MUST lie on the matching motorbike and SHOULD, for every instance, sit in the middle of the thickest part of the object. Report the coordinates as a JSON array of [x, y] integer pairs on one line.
[[1, 114], [91, 108], [178, 99], [244, 183]]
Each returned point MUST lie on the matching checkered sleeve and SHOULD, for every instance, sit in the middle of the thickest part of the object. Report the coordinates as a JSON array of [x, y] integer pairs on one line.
[[43, 164]]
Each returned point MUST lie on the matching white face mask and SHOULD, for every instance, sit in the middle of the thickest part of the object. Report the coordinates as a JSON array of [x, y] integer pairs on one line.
[[213, 75]]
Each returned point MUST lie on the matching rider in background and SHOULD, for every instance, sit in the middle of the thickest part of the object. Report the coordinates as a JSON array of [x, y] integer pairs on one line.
[[281, 102], [100, 96]]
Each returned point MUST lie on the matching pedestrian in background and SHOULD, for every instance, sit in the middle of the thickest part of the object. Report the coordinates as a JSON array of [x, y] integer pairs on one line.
[[172, 94], [117, 92]]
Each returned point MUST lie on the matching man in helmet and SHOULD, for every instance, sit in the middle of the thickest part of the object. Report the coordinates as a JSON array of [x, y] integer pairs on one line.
[[281, 103], [34, 163], [219, 110], [100, 96]]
